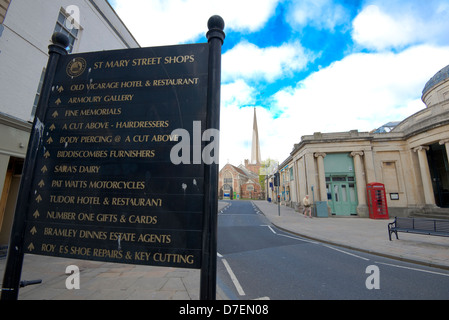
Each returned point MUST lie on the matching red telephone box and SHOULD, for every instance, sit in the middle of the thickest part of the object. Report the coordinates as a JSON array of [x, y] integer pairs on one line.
[[377, 201]]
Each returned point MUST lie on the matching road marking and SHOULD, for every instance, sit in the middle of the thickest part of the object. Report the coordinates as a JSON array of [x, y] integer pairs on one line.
[[233, 278], [345, 252], [287, 236], [314, 242], [414, 269], [269, 227], [239, 214], [295, 238]]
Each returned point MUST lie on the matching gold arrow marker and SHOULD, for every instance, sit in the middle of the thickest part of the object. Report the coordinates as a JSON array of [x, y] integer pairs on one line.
[[41, 183], [33, 230], [38, 198], [55, 114], [44, 169], [36, 214], [31, 247], [46, 154], [49, 140], [58, 102]]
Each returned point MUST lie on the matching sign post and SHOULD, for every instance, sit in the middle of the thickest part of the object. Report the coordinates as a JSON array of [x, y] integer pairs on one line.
[[13, 270], [208, 283], [119, 168]]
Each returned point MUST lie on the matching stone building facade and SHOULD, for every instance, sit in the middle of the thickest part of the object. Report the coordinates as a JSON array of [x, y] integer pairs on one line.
[[411, 160]]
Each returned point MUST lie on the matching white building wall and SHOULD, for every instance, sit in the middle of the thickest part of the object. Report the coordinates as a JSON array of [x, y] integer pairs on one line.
[[25, 35], [27, 31]]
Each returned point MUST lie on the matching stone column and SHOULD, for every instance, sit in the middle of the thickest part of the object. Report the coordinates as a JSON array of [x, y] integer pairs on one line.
[[429, 197], [302, 179], [321, 175], [310, 173], [369, 166], [360, 180], [446, 144]]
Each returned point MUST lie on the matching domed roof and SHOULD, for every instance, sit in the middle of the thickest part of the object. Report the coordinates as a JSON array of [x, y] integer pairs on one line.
[[440, 76]]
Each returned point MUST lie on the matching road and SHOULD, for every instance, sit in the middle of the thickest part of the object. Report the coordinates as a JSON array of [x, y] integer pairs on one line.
[[258, 261]]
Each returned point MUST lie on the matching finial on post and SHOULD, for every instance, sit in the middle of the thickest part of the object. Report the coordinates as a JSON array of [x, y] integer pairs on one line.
[[216, 26], [60, 43]]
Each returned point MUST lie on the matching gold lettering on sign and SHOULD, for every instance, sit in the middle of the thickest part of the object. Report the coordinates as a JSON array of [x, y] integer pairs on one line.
[[174, 82], [173, 257], [55, 215], [179, 59], [154, 238], [93, 112], [116, 64], [141, 124], [132, 153], [136, 202], [115, 98], [103, 85], [90, 99], [60, 232], [146, 61], [107, 253]]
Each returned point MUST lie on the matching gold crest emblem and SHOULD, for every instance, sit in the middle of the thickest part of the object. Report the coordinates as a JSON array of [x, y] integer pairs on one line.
[[76, 67]]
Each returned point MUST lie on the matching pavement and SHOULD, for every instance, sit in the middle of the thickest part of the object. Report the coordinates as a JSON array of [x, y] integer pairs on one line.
[[362, 234], [114, 281]]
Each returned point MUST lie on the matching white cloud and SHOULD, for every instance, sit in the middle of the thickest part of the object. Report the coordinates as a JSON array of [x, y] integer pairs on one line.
[[375, 29], [236, 125], [321, 14], [362, 91], [237, 93], [247, 61], [392, 24], [163, 22]]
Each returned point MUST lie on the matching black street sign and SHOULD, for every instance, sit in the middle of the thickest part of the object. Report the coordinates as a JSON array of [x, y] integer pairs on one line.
[[122, 164], [105, 186]]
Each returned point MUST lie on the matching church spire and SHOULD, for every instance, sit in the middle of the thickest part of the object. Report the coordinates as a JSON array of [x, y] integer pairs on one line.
[[255, 148]]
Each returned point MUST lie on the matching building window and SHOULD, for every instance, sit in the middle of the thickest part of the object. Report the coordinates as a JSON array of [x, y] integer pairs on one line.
[[69, 27], [38, 94], [4, 4], [227, 178]]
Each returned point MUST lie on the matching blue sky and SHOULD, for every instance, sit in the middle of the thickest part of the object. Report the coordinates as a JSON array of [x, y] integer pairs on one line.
[[305, 65]]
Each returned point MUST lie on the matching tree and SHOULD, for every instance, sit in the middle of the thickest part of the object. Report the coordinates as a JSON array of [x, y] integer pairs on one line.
[[267, 167]]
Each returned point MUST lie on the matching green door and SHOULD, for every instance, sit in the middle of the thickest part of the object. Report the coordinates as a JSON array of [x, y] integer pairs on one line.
[[342, 195]]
